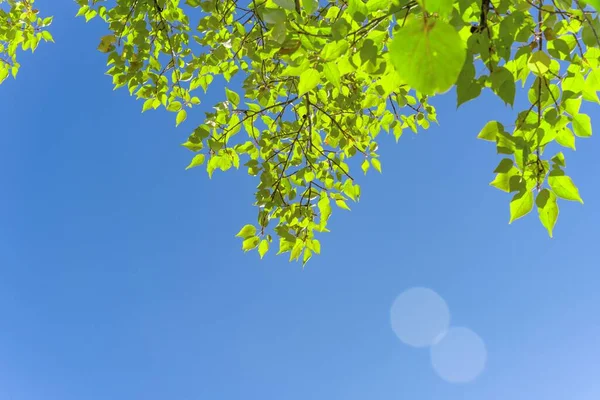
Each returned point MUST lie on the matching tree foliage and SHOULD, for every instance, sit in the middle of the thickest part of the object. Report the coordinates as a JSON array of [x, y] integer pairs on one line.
[[311, 85]]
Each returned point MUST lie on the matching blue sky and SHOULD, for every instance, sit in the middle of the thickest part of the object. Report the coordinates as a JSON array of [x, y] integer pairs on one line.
[[120, 277]]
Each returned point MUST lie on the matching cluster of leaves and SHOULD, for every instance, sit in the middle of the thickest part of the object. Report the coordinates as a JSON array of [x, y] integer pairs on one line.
[[20, 28], [313, 83]]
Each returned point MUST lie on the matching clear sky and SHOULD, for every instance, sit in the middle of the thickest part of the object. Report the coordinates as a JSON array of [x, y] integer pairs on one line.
[[120, 277]]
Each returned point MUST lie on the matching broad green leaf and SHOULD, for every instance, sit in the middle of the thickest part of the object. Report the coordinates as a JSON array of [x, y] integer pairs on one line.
[[274, 16], [503, 84], [296, 251], [365, 166], [592, 86], [378, 5], [310, 6], [309, 80], [565, 138], [324, 208], [342, 204], [428, 56], [181, 116], [246, 232], [594, 3], [287, 4], [250, 243], [504, 176], [333, 50], [307, 256], [340, 29], [107, 43], [376, 164], [357, 10], [490, 131], [539, 63], [196, 161], [332, 74], [193, 146], [582, 125], [316, 246], [547, 209], [521, 204], [147, 105], [232, 96], [563, 187], [442, 7], [263, 247]]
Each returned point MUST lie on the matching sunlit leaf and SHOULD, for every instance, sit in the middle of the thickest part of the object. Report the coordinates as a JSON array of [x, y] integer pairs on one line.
[[428, 55]]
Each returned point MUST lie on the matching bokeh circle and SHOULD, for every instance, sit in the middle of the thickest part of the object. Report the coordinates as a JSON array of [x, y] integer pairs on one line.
[[459, 356], [419, 317]]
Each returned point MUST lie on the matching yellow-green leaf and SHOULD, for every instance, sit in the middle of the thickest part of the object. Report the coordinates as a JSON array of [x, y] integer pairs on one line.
[[428, 55], [520, 205], [309, 79], [490, 131], [563, 187], [250, 243], [107, 43], [539, 63], [376, 164], [196, 161], [181, 116], [263, 247], [547, 209], [582, 125], [246, 232]]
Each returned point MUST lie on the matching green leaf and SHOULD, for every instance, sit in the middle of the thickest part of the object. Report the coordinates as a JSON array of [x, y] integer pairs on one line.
[[309, 80], [250, 243], [274, 16], [147, 105], [263, 247], [563, 186], [296, 250], [181, 116], [342, 204], [340, 29], [547, 209], [316, 246], [310, 6], [107, 43], [332, 74], [193, 146], [539, 63], [520, 205], [442, 7], [287, 4], [324, 206], [357, 10], [428, 56], [232, 96], [490, 131], [196, 161], [503, 84], [582, 125], [565, 138], [378, 5], [559, 159], [47, 36], [333, 50], [246, 232], [307, 256], [376, 164], [594, 3], [505, 171], [365, 166]]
